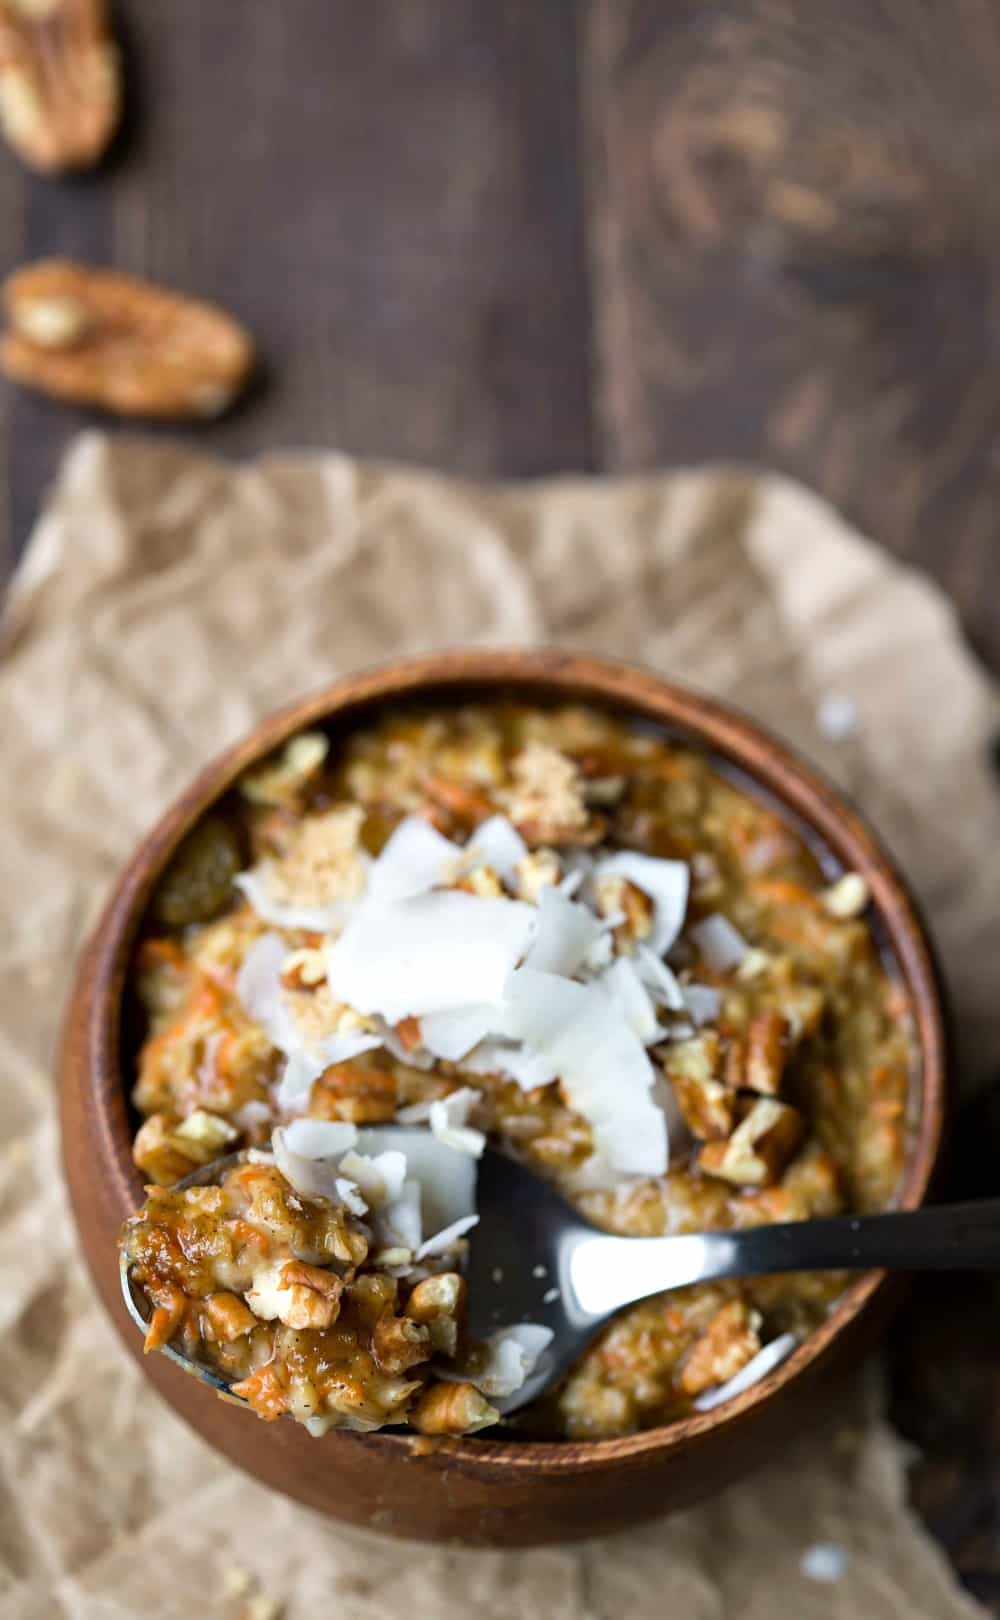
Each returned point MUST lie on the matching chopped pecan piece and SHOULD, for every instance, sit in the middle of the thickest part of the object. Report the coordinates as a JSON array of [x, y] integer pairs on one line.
[[437, 1302], [708, 1106], [731, 1339], [97, 337], [616, 896], [408, 1030], [399, 1343], [314, 1295], [767, 1044], [60, 84], [159, 1155], [463, 802], [283, 780], [452, 1409], [304, 969], [351, 1092], [203, 1136], [536, 871], [482, 880], [758, 1149]]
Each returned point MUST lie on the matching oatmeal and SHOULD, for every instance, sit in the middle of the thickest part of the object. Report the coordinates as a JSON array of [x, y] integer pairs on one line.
[[545, 927]]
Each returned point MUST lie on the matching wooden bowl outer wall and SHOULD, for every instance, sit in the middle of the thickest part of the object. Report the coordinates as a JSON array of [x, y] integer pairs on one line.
[[479, 1491]]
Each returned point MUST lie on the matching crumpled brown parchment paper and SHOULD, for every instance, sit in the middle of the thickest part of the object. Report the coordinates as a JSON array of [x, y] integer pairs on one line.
[[167, 601]]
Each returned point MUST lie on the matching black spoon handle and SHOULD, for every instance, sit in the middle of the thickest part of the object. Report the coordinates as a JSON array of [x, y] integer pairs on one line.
[[950, 1237], [606, 1273]]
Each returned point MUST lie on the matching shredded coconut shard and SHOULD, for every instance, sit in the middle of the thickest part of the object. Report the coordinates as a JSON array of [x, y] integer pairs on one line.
[[721, 944], [601, 1063], [256, 886], [825, 1561], [565, 934], [414, 860], [433, 953]]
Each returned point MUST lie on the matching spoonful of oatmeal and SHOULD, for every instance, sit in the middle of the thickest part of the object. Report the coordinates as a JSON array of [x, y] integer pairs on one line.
[[298, 1280]]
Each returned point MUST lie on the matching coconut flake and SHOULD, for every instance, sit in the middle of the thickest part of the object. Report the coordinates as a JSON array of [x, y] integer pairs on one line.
[[602, 1065], [756, 1368], [720, 943], [446, 1179], [565, 935], [414, 1057], [251, 1114], [496, 843], [659, 980], [602, 952], [417, 1113], [349, 1194], [256, 885], [527, 1069], [512, 1355], [825, 1561], [449, 1122], [667, 884], [308, 1154], [703, 1002], [379, 1178], [578, 868], [415, 858], [433, 953], [626, 990], [446, 1239], [399, 1225], [260, 993], [451, 1035], [837, 716]]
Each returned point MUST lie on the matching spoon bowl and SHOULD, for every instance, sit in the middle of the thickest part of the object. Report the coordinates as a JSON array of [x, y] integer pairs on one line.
[[532, 1258]]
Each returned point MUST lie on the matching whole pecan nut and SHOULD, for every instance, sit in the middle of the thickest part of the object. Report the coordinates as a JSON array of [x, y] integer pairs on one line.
[[101, 338], [60, 81]]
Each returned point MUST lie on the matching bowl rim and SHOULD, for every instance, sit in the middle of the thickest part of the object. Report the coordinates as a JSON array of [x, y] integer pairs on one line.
[[582, 677]]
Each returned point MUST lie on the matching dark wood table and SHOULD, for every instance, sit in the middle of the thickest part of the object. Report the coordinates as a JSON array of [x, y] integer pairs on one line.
[[529, 235]]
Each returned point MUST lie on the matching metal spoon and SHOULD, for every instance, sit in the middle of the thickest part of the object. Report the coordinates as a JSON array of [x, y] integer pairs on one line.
[[534, 1259]]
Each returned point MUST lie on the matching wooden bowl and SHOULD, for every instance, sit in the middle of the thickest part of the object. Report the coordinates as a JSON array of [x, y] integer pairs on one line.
[[478, 1491]]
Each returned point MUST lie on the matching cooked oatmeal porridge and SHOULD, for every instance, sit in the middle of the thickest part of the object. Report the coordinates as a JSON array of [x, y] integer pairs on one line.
[[547, 928]]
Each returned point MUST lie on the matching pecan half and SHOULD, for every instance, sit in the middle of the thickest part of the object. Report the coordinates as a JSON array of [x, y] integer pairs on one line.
[[60, 82], [96, 337]]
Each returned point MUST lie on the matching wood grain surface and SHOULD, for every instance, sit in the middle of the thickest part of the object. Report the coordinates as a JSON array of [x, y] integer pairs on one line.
[[518, 238]]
